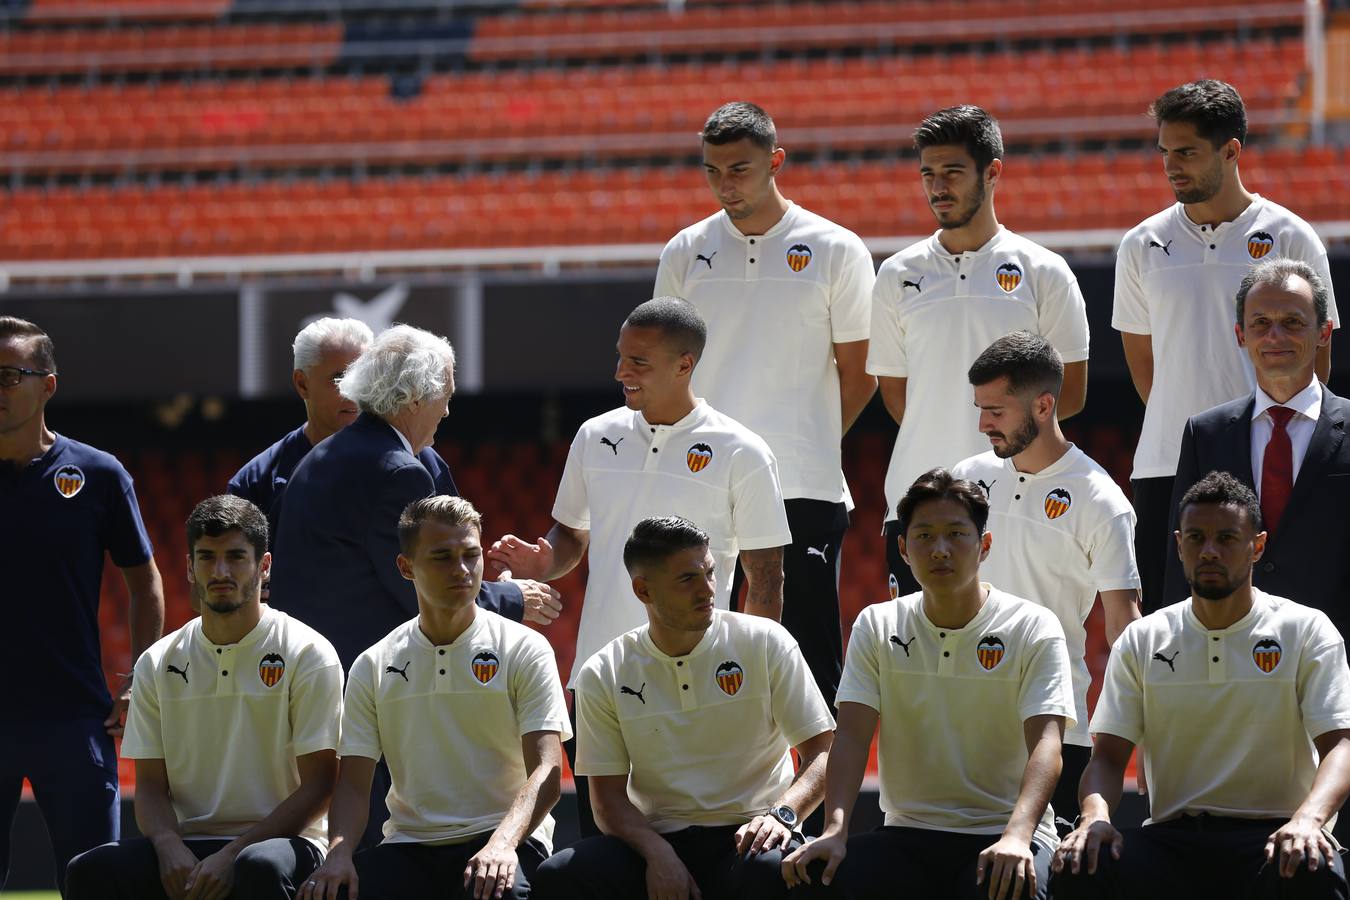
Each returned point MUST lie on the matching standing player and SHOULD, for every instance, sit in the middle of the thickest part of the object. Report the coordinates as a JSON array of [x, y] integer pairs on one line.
[[1243, 700], [234, 729], [684, 727], [664, 452], [66, 504], [940, 302], [466, 707], [1176, 275], [972, 690], [1062, 529], [785, 295]]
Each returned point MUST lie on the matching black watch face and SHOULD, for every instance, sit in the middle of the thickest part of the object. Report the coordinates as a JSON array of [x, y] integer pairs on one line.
[[785, 815]]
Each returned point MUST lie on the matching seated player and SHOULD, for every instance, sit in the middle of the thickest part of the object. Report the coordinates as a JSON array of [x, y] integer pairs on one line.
[[684, 727], [1237, 694], [467, 709], [972, 687], [234, 729]]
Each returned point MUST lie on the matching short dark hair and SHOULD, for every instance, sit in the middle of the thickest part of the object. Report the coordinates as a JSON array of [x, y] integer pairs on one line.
[[655, 538], [1214, 107], [967, 125], [1029, 362], [677, 319], [939, 484], [1222, 489], [739, 120], [452, 511], [216, 515], [44, 351], [1277, 270]]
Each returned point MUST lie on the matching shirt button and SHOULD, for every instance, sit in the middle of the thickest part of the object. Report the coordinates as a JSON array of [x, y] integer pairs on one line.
[[219, 651], [653, 431], [946, 653], [684, 687], [1215, 639], [752, 242], [963, 278], [680, 663], [752, 259], [653, 449], [1211, 246], [441, 652], [1022, 478], [442, 671], [1017, 496], [942, 634], [1216, 659], [224, 672]]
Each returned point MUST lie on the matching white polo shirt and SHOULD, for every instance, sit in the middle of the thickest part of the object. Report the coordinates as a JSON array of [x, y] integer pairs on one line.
[[934, 312], [775, 305], [1229, 715], [229, 720], [704, 738], [1059, 536], [706, 467], [1177, 282], [953, 701], [448, 720]]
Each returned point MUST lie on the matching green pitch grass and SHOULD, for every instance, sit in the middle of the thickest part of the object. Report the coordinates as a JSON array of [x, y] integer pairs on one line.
[[33, 895]]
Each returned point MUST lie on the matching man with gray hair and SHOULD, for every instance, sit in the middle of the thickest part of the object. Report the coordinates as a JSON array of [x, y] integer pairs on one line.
[[1285, 440]]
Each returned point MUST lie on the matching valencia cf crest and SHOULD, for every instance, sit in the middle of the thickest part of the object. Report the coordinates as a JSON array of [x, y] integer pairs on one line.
[[271, 668], [895, 586], [730, 677], [990, 651], [1008, 276], [1259, 244], [485, 665], [1266, 654], [698, 457], [798, 257], [1057, 503], [68, 480]]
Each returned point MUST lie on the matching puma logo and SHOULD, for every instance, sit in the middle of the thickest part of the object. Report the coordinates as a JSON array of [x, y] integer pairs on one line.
[[917, 285], [1160, 658], [403, 671], [625, 689], [177, 671], [613, 445], [706, 259], [1165, 248], [987, 487], [812, 551], [903, 645]]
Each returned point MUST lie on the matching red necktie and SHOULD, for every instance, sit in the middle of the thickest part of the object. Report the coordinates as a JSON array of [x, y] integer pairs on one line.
[[1277, 469]]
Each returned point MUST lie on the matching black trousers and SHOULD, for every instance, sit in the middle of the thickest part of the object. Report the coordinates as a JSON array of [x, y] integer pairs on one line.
[[608, 869], [418, 871], [894, 862], [73, 769], [902, 580], [1153, 543], [1065, 799], [267, 870], [1200, 856], [811, 588]]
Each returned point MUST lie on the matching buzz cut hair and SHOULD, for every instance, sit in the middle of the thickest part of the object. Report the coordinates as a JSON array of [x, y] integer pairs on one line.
[[1213, 107], [1278, 270], [939, 484], [656, 538], [455, 512], [1028, 361], [967, 125], [1222, 489], [677, 320], [39, 342], [740, 120], [223, 513]]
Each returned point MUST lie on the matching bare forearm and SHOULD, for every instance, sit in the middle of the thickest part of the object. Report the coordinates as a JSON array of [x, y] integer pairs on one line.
[[290, 817], [763, 582], [619, 818], [1038, 784], [145, 609], [1332, 782], [807, 789], [569, 545], [855, 392], [348, 815], [532, 803], [1099, 791], [1121, 608], [154, 814], [843, 780]]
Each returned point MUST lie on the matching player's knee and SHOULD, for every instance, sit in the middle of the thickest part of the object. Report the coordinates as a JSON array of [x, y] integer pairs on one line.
[[88, 875], [758, 876], [553, 877], [259, 874], [1066, 885], [1323, 883]]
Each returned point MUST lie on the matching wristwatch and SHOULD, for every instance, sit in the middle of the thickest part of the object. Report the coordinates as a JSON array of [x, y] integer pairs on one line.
[[785, 814]]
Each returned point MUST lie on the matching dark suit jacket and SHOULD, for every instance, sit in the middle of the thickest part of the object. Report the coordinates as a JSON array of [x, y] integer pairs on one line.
[[333, 559], [1307, 560]]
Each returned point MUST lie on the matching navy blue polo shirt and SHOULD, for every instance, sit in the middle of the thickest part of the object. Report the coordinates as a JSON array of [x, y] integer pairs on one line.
[[262, 478], [62, 512]]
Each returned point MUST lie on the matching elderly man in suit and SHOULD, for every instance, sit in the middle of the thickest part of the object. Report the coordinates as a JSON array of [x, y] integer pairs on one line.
[[1286, 441]]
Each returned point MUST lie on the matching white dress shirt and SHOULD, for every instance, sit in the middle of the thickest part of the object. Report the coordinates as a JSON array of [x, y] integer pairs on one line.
[[1307, 406]]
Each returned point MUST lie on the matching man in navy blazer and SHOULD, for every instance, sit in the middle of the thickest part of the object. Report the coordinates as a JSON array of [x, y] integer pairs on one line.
[[1282, 321]]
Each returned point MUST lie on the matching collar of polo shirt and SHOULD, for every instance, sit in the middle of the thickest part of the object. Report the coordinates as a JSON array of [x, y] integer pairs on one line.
[[778, 228], [709, 637]]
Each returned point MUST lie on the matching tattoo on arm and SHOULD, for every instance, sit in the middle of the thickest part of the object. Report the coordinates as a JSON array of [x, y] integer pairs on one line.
[[764, 578]]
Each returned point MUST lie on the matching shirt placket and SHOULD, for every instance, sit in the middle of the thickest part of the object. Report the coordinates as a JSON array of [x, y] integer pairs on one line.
[[660, 436], [1216, 657], [226, 659], [948, 644], [684, 683], [443, 673], [753, 262]]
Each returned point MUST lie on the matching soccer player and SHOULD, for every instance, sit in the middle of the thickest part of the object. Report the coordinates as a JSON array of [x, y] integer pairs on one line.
[[663, 452], [1062, 529], [234, 729], [1176, 275], [467, 708], [66, 504], [972, 689], [940, 302], [685, 727], [785, 295], [1243, 700]]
